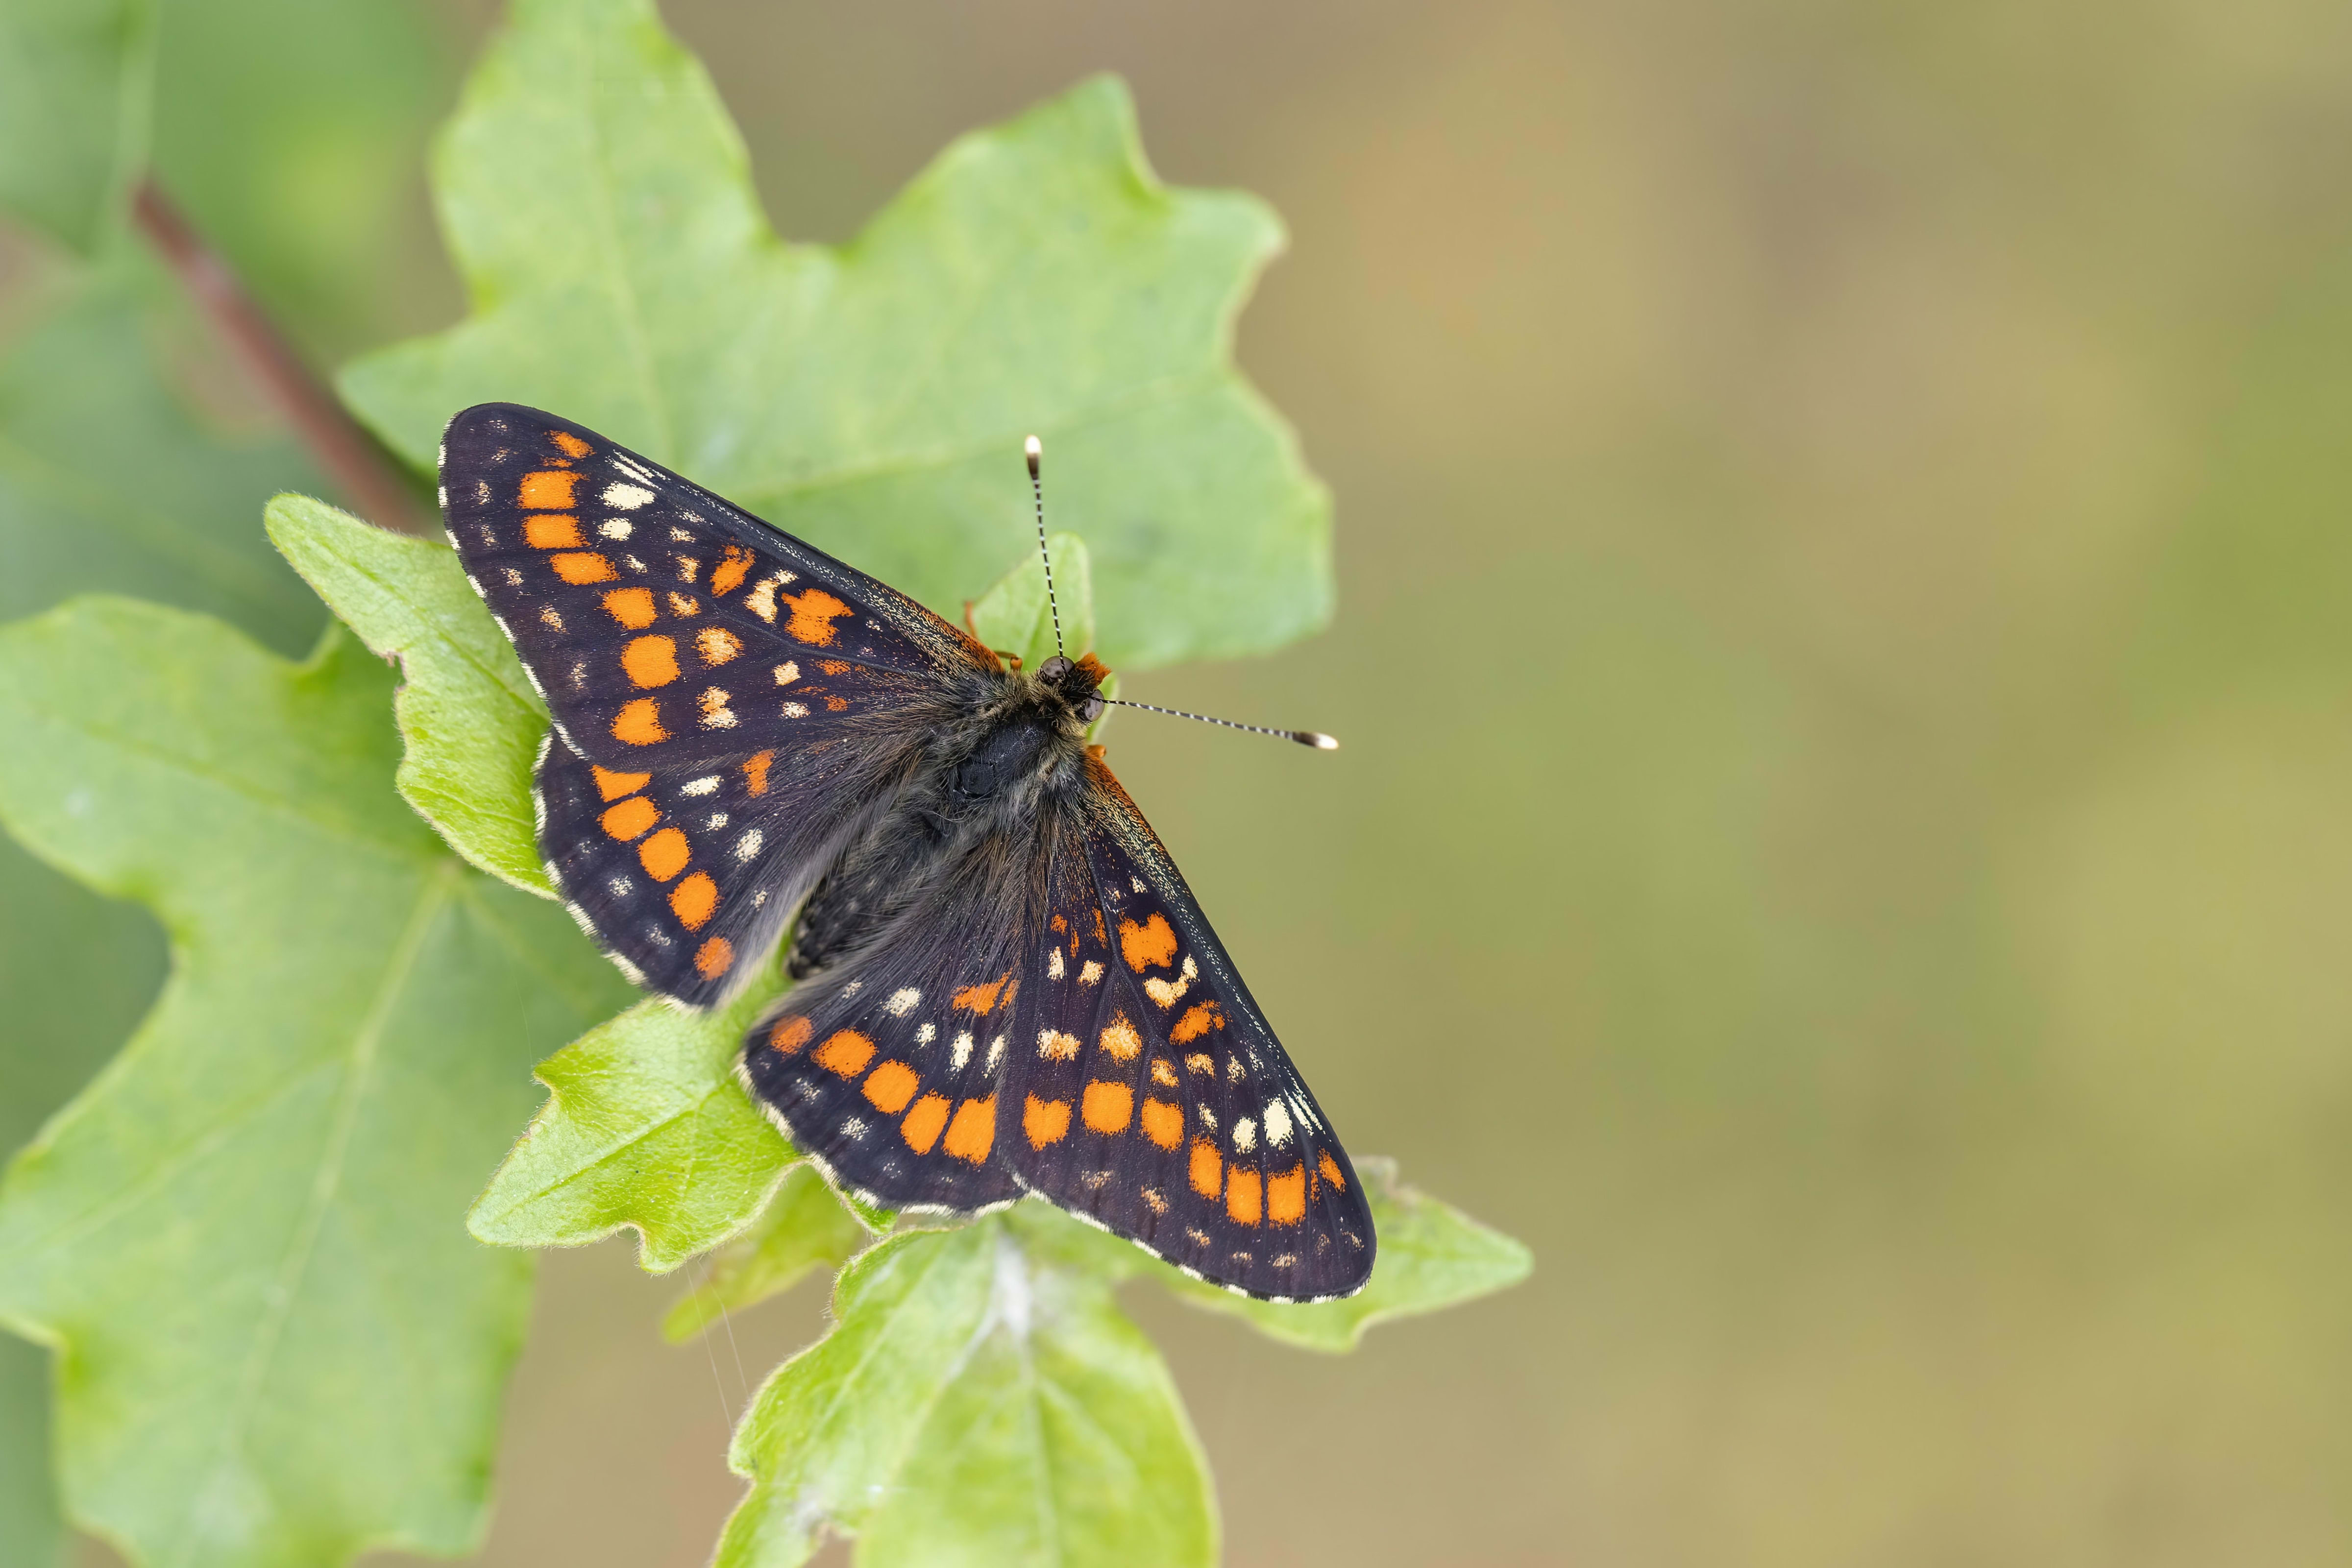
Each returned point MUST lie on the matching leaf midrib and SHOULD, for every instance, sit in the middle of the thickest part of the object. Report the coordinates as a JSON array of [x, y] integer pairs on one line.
[[435, 892]]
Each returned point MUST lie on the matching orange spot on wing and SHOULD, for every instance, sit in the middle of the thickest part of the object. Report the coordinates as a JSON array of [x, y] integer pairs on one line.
[[1286, 1195], [832, 667], [1242, 1196], [1120, 1038], [921, 1127], [1163, 1122], [632, 607], [845, 1051], [813, 613], [693, 900], [1108, 1107], [639, 723], [711, 959], [973, 1132], [651, 661], [613, 786], [1197, 1022], [1044, 1120], [790, 1034], [890, 1086], [1208, 1172], [549, 490], [717, 644], [551, 530], [1150, 946], [755, 772], [980, 999], [1323, 1162], [730, 570], [582, 567], [630, 818], [571, 445], [665, 855]]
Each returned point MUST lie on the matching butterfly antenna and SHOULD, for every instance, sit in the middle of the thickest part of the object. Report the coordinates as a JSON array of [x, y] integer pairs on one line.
[[1036, 451], [1314, 738]]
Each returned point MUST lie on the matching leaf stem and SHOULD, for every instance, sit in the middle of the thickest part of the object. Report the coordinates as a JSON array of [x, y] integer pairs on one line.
[[350, 457]]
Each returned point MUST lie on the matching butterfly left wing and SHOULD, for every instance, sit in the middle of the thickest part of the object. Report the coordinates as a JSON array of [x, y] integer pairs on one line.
[[729, 702], [1144, 1090]]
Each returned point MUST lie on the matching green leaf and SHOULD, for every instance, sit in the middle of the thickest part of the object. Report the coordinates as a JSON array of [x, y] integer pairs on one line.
[[1015, 616], [646, 1127], [276, 1347], [804, 1227], [1432, 1256], [872, 399], [977, 1402], [470, 720], [74, 108]]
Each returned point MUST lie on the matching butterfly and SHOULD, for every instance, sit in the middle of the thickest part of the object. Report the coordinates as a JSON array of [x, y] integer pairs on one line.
[[1003, 985]]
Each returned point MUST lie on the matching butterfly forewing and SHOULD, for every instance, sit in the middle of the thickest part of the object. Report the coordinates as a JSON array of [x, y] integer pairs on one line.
[[1151, 1095], [726, 701]]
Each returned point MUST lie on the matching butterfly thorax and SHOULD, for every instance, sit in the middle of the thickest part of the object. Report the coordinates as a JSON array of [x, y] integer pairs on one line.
[[1013, 754]]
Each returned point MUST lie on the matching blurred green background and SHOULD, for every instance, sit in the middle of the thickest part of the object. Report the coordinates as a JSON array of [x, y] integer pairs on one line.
[[1844, 842]]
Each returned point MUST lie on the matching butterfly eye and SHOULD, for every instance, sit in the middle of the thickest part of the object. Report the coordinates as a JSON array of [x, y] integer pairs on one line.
[[1090, 710], [1051, 671]]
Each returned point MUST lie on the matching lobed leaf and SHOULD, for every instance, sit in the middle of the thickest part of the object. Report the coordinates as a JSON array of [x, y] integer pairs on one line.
[[470, 723], [643, 1127], [977, 1402], [274, 1346], [872, 397], [804, 1227]]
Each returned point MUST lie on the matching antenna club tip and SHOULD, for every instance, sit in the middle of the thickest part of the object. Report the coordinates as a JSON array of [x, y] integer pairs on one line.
[[1032, 449], [1315, 738]]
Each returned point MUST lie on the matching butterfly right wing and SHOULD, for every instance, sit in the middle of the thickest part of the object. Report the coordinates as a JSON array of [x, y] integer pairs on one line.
[[1146, 1091]]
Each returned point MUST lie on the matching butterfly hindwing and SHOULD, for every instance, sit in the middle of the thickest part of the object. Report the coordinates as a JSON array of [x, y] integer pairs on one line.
[[886, 1067], [726, 700], [1147, 1093]]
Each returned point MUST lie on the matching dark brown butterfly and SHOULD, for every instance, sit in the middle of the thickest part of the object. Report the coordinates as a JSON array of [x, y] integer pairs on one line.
[[1004, 986]]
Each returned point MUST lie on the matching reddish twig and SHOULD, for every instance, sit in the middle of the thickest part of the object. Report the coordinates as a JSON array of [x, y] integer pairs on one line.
[[350, 457]]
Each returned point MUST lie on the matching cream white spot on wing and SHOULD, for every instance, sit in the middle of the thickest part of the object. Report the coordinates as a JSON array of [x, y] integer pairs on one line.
[[903, 1000], [927, 1033], [1244, 1136], [1165, 994], [961, 1052], [621, 886], [787, 673], [1056, 1046], [795, 710], [1136, 881], [615, 528], [716, 714], [1208, 1118], [759, 899], [749, 844], [713, 822], [550, 618], [996, 1052], [1090, 974], [1277, 1124], [1191, 970], [702, 786], [852, 988], [1054, 963], [626, 497], [1234, 1071]]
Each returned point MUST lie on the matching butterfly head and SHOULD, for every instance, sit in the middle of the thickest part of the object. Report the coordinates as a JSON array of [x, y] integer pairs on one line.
[[1077, 682]]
